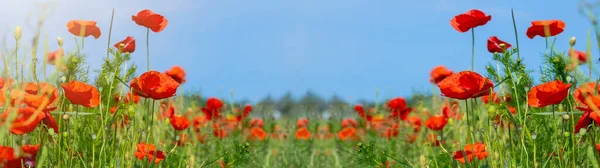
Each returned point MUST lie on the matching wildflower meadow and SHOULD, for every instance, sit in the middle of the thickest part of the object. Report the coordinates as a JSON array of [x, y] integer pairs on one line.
[[507, 114]]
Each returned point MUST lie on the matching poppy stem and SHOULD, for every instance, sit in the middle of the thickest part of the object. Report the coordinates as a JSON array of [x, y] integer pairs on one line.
[[473, 49], [148, 49], [112, 17]]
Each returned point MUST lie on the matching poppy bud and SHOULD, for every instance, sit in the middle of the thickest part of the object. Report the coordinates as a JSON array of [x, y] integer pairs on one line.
[[59, 41], [566, 117], [572, 41], [533, 136], [66, 117], [18, 33]]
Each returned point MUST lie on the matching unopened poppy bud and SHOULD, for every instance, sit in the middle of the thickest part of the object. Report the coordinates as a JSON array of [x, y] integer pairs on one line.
[[60, 41], [66, 117], [572, 41], [533, 136], [566, 117], [582, 131], [18, 33]]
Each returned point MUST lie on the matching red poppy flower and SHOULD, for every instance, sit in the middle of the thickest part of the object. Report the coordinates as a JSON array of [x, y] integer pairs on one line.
[[34, 95], [439, 73], [471, 19], [199, 122], [450, 110], [150, 20], [247, 110], [415, 123], [303, 122], [538, 28], [486, 98], [494, 44], [84, 28], [52, 56], [177, 73], [149, 151], [167, 110], [131, 98], [82, 94], [398, 108], [213, 108], [470, 151], [436, 123], [180, 123], [580, 56], [548, 93], [598, 147], [587, 91], [349, 122], [154, 85], [360, 110], [128, 45], [302, 133], [8, 158], [257, 134], [348, 133], [257, 122], [465, 85], [27, 119]]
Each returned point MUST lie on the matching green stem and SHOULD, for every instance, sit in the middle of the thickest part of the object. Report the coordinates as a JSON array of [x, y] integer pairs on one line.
[[473, 49], [148, 49]]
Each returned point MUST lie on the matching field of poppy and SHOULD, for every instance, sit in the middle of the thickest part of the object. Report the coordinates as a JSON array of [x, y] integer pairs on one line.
[[125, 117]]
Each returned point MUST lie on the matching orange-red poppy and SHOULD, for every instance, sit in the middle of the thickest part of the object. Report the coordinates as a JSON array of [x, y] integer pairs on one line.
[[83, 94], [436, 123], [84, 28], [257, 134], [126, 45], [470, 151], [545, 28], [348, 133], [415, 123], [154, 85], [471, 19], [167, 110], [257, 122], [247, 110], [349, 122], [549, 93], [302, 133], [213, 108], [41, 95], [177, 73], [149, 151], [199, 122], [439, 73], [451, 109], [52, 56], [303, 122], [494, 44], [26, 121], [398, 108], [9, 159], [150, 20], [179, 123], [465, 85], [360, 110], [580, 56]]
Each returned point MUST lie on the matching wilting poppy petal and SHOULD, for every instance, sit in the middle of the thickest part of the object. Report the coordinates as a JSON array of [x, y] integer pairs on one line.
[[83, 94]]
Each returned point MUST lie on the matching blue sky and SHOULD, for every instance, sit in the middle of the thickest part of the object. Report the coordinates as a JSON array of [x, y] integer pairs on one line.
[[344, 47]]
